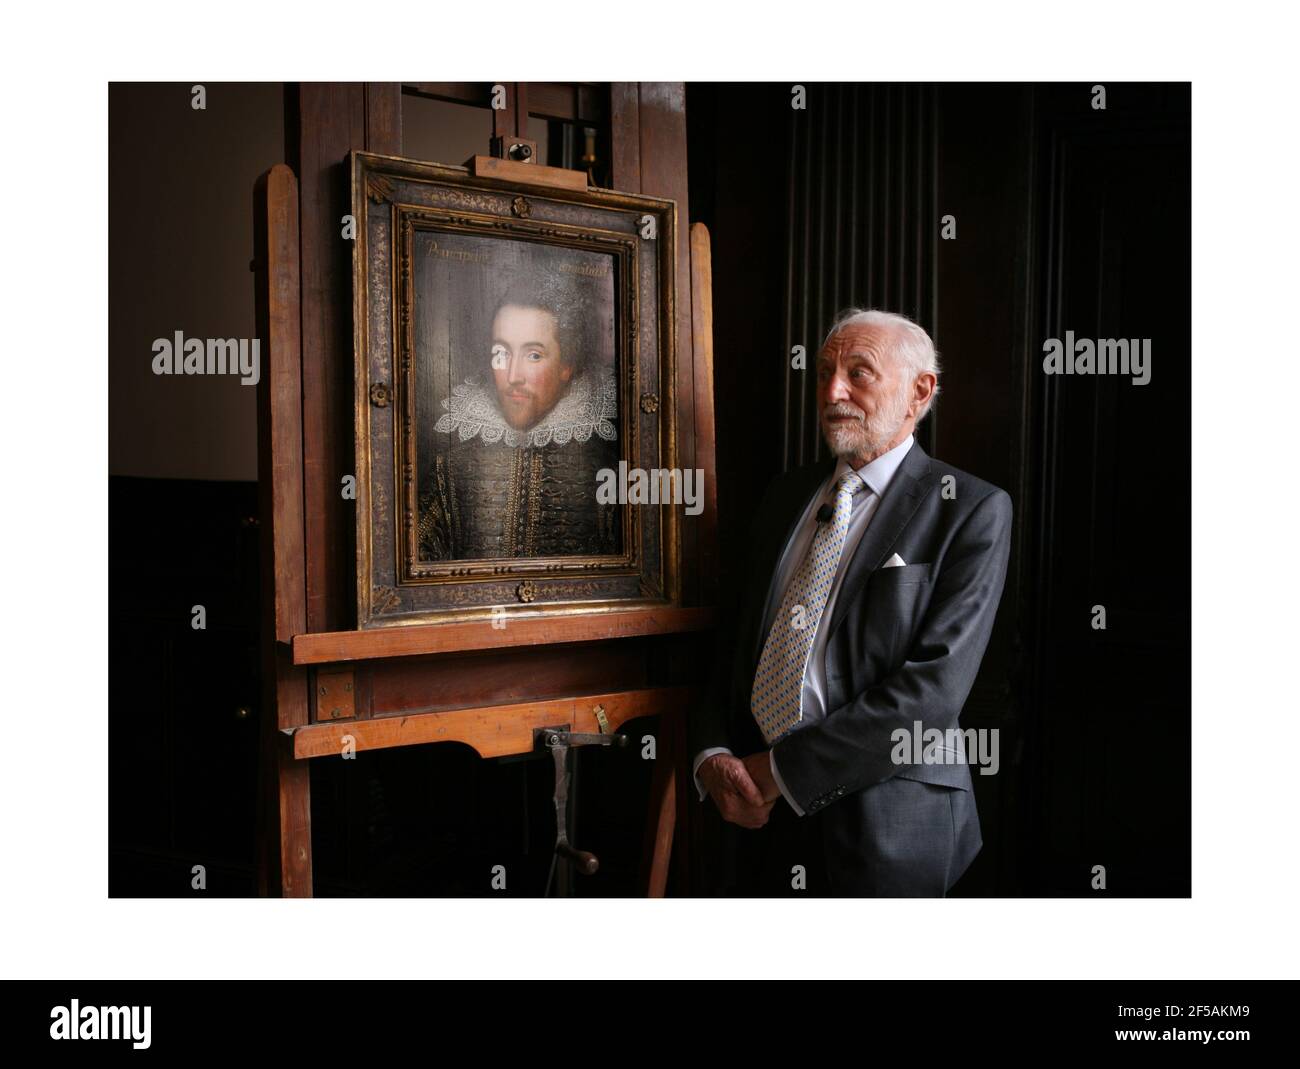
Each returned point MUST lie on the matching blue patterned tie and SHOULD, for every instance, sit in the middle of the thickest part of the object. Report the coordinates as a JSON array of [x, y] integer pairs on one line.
[[777, 698]]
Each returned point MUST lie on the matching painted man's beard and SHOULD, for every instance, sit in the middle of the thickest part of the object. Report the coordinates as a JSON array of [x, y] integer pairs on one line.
[[866, 436]]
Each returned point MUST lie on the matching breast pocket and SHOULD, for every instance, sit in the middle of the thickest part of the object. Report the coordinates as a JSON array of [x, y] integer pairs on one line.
[[902, 575], [895, 604], [878, 629]]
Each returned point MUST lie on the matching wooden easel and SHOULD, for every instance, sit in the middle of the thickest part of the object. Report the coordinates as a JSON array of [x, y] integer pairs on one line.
[[322, 683]]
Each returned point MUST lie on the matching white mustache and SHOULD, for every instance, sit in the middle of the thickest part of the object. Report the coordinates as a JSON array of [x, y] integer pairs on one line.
[[842, 410]]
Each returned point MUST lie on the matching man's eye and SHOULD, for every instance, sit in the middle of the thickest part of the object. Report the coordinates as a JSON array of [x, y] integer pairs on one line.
[[534, 355]]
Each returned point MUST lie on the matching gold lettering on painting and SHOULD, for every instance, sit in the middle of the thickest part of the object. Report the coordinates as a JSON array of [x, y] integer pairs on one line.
[[463, 255]]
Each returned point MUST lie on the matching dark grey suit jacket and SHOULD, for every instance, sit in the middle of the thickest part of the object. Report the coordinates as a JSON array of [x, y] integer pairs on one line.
[[904, 645]]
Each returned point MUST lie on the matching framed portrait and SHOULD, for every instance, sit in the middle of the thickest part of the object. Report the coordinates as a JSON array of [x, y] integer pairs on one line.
[[514, 364]]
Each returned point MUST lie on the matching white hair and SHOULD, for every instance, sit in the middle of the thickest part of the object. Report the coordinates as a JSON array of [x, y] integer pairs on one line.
[[912, 345]]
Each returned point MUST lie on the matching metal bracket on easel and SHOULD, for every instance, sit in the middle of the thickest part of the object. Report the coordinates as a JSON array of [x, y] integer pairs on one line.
[[560, 740]]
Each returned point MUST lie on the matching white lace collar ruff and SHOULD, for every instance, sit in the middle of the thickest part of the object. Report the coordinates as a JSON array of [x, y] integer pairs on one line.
[[588, 405]]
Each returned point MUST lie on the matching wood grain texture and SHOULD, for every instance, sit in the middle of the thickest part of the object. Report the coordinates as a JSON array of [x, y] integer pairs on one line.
[[503, 119], [335, 117], [705, 428], [295, 823], [661, 122], [664, 809], [625, 135], [328, 647], [479, 94], [333, 122], [279, 411], [662, 126], [568, 102], [492, 731], [284, 805], [402, 685], [536, 173], [384, 117]]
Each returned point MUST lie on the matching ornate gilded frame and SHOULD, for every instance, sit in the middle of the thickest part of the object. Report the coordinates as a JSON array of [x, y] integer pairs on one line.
[[392, 200]]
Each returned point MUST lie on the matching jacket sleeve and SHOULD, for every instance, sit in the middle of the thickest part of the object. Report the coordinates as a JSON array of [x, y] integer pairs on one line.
[[851, 748]]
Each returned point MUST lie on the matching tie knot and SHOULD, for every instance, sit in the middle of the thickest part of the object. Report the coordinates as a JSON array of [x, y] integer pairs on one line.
[[851, 482]]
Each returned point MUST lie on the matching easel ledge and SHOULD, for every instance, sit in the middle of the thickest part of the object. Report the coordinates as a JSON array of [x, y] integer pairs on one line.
[[328, 647], [494, 730]]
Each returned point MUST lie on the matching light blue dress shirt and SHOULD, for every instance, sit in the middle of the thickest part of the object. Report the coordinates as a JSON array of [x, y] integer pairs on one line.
[[877, 476]]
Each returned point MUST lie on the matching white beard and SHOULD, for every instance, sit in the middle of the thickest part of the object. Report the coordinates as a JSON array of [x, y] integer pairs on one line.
[[869, 436]]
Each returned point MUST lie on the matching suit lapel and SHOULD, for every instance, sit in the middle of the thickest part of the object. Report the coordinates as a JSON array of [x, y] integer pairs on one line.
[[896, 508]]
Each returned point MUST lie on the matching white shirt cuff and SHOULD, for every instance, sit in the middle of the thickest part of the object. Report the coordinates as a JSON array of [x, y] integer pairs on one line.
[[780, 783], [700, 758]]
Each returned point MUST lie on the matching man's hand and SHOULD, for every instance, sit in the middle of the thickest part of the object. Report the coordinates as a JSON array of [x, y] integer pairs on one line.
[[759, 767], [733, 791]]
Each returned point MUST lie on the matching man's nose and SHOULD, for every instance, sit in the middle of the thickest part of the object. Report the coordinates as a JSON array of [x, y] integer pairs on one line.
[[837, 389], [515, 369]]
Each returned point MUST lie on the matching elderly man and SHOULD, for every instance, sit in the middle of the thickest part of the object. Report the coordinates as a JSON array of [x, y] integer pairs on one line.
[[871, 589]]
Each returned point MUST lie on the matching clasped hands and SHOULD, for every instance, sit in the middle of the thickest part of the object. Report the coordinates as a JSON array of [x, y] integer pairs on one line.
[[742, 788]]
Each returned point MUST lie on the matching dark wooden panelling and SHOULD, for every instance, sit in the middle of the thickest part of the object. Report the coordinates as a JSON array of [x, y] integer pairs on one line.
[[478, 94], [625, 116], [569, 103], [384, 118], [506, 121]]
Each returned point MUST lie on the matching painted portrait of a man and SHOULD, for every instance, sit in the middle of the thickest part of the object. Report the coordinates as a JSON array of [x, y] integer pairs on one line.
[[511, 464]]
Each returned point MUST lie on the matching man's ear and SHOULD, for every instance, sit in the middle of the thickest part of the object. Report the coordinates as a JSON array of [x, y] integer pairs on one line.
[[566, 372], [922, 391]]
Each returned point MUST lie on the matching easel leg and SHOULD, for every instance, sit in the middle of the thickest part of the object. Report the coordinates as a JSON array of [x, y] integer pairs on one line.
[[284, 812], [295, 824], [665, 789], [659, 831], [284, 815], [284, 868]]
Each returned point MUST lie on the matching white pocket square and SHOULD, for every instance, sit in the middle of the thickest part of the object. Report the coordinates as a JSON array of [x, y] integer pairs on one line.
[[895, 562]]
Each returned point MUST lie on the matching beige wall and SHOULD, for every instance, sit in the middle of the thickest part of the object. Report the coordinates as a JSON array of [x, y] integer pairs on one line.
[[180, 241]]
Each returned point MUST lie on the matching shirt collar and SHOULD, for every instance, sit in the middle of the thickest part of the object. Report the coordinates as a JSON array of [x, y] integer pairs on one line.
[[881, 471]]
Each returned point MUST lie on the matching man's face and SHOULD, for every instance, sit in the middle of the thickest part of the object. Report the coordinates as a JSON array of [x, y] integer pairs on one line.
[[526, 363], [863, 394]]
